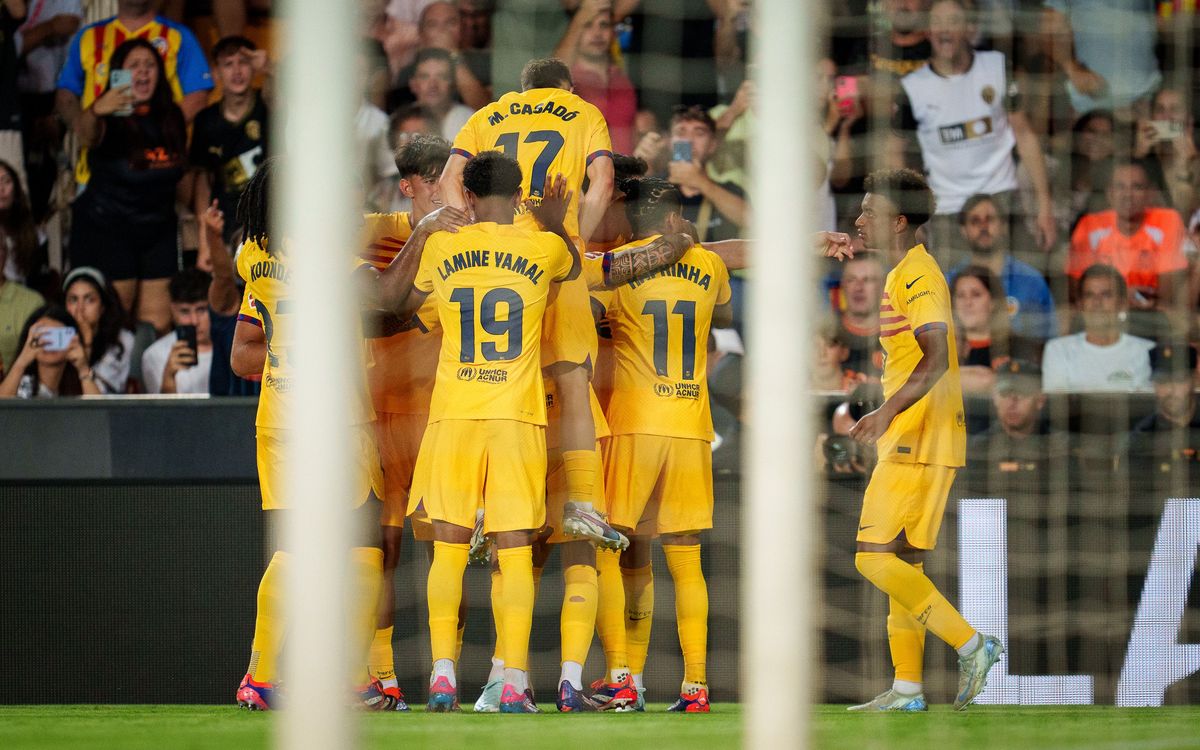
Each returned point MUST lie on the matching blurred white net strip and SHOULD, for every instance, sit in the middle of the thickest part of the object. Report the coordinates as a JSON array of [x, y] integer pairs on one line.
[[314, 203], [778, 542]]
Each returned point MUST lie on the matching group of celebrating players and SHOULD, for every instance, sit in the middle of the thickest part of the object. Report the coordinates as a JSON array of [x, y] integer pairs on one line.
[[495, 417]]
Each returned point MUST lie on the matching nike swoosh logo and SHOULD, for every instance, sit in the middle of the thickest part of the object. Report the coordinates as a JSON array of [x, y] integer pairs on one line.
[[909, 284], [862, 528]]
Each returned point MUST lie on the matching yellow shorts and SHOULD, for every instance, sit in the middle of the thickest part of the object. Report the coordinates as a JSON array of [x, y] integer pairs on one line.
[[905, 497], [272, 468], [556, 497], [501, 462], [658, 485], [399, 439], [569, 331]]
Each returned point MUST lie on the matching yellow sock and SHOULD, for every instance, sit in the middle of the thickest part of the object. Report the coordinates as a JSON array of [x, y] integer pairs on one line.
[[691, 608], [578, 620], [366, 578], [916, 593], [516, 564], [610, 609], [581, 468], [498, 612], [380, 659], [906, 639], [639, 614], [269, 622], [444, 591]]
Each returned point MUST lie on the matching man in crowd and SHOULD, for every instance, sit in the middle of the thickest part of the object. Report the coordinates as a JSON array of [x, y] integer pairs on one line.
[[963, 112], [229, 137], [171, 365], [984, 226], [718, 210], [440, 27], [861, 288], [1165, 446], [432, 83], [1145, 243], [1101, 357]]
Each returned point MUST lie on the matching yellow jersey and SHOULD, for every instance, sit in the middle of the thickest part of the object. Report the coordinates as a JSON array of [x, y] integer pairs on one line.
[[547, 131], [915, 299], [267, 303], [491, 283], [402, 366], [660, 325]]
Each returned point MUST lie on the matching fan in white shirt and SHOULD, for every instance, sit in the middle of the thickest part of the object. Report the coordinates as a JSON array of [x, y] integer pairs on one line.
[[1102, 358]]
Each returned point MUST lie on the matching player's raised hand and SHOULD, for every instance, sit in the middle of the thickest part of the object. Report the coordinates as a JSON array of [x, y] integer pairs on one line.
[[556, 199], [213, 218], [444, 219], [833, 245]]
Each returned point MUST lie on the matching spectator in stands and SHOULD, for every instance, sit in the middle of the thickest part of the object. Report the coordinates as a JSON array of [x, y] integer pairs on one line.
[[1029, 304], [1102, 357], [12, 13], [1145, 243], [229, 137], [587, 48], [896, 44], [108, 344], [1166, 144], [964, 113], [16, 304], [432, 83], [981, 325], [124, 223], [829, 371], [1092, 147], [470, 70], [861, 291], [1018, 449], [46, 368], [408, 121], [1106, 50], [718, 210], [18, 233], [42, 43], [170, 365], [84, 76], [475, 26], [1166, 444]]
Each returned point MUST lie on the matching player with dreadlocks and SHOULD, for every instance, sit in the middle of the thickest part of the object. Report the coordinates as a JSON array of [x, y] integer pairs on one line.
[[262, 346]]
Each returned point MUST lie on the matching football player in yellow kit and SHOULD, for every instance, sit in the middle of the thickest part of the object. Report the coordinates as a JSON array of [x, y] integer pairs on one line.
[[658, 468], [486, 435], [919, 433], [548, 130], [262, 348]]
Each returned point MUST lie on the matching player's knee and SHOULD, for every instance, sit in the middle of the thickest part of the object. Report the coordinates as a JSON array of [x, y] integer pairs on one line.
[[868, 564]]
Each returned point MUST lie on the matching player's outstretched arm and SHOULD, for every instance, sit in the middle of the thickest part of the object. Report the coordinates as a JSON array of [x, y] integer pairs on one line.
[[598, 196], [935, 361], [550, 213], [627, 264], [394, 290]]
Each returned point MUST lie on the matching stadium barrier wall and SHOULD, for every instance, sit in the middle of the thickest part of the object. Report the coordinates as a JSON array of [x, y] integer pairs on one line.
[[132, 546]]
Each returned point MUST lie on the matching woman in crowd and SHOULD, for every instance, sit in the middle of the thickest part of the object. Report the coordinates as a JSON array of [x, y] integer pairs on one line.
[[108, 345], [982, 323], [124, 223], [17, 228], [50, 363]]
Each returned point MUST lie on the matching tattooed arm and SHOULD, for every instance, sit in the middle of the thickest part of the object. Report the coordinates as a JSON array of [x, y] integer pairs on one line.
[[622, 266]]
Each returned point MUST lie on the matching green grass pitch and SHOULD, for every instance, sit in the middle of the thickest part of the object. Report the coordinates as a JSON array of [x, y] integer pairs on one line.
[[227, 728]]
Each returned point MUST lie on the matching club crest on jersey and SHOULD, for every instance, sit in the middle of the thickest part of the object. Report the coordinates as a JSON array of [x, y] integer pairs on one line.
[[253, 130], [988, 94], [160, 44]]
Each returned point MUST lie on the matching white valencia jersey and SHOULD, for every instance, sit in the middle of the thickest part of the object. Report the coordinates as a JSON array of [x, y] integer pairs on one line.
[[962, 126]]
